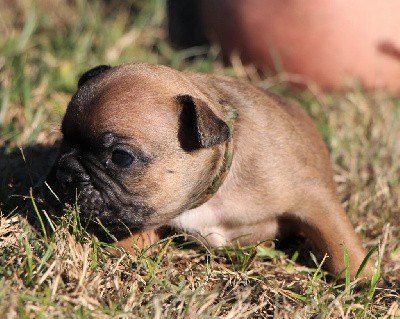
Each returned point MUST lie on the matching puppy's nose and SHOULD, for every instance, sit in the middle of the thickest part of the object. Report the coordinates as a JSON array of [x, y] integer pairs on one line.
[[64, 178], [70, 173], [69, 179]]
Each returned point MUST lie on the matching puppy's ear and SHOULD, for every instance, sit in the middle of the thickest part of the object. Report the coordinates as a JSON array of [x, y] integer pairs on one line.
[[199, 126], [92, 73]]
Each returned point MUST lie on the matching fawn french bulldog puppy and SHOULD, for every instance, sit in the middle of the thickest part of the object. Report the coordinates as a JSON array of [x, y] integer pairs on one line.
[[145, 146]]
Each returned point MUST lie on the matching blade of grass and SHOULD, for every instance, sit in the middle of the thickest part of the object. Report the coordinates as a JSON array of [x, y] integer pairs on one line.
[[347, 267], [365, 261], [43, 227], [28, 262]]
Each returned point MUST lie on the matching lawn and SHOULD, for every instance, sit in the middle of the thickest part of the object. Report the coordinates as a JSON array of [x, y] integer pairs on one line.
[[44, 47]]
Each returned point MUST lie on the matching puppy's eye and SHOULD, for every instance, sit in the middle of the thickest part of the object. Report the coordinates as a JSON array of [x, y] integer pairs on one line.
[[121, 158]]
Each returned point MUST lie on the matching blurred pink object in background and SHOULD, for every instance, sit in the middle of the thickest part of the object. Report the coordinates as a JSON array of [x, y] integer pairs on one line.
[[326, 41]]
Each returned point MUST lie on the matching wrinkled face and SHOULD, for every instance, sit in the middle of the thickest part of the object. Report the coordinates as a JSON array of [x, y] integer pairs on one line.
[[137, 150]]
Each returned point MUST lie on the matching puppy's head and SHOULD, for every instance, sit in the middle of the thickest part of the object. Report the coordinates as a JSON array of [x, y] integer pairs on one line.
[[141, 144]]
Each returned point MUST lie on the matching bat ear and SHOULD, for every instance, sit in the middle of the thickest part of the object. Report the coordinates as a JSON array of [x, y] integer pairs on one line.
[[199, 126], [92, 73]]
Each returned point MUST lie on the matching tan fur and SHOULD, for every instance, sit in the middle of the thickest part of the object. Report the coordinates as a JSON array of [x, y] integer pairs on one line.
[[281, 169]]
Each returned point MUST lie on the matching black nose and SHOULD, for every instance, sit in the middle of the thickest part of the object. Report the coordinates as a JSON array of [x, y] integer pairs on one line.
[[70, 173], [64, 178]]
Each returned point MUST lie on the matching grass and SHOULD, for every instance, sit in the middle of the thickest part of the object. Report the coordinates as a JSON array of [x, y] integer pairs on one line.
[[44, 46]]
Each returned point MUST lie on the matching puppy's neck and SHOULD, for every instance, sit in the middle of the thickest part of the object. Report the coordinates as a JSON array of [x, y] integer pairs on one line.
[[231, 115]]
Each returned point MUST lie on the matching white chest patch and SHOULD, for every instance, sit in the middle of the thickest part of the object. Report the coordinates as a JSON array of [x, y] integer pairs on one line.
[[216, 226]]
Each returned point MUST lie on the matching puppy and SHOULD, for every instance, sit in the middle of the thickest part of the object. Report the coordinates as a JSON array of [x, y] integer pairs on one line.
[[145, 146]]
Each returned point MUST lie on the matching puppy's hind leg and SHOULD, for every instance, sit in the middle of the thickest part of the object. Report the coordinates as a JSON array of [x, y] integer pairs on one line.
[[322, 219]]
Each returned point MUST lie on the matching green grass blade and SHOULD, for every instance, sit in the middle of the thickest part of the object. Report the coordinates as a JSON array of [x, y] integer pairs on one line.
[[365, 261], [347, 277], [43, 227]]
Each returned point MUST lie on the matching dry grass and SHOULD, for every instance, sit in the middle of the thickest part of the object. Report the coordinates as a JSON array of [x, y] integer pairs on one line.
[[44, 46]]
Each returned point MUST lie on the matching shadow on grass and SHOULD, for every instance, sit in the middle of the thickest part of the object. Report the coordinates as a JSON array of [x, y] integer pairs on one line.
[[23, 169]]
